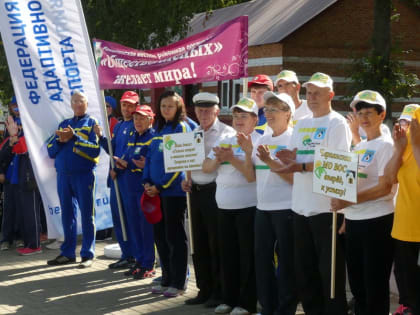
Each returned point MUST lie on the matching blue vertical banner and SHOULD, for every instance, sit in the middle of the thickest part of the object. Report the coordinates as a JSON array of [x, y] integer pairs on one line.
[[49, 55]]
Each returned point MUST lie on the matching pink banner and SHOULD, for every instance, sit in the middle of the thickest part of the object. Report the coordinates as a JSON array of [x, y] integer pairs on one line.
[[220, 53]]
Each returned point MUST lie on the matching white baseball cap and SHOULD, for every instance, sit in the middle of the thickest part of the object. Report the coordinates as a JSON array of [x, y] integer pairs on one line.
[[287, 75], [408, 111], [247, 105], [284, 97], [321, 80], [369, 96]]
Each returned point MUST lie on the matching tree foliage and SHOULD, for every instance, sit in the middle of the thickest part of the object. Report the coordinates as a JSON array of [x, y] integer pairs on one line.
[[380, 70], [140, 24], [144, 24]]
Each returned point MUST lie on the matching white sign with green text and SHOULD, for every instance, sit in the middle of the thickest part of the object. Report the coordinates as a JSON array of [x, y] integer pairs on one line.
[[335, 174], [183, 151]]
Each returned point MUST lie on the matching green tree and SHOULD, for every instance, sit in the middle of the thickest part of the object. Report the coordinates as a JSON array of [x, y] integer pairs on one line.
[[380, 69], [140, 24]]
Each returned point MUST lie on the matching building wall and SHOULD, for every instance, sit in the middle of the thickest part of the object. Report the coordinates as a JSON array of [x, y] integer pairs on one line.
[[328, 43]]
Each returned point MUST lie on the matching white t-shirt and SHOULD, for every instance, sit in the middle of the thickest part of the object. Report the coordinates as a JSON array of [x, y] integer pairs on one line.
[[384, 130], [331, 131], [217, 131], [302, 112], [373, 157], [273, 192], [233, 190]]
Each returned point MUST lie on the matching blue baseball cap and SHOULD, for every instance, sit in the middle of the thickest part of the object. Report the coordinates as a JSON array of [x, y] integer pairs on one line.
[[13, 100], [111, 101]]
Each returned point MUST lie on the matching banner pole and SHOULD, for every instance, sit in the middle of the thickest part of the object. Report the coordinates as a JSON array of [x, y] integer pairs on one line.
[[111, 154], [190, 228], [245, 87], [333, 252]]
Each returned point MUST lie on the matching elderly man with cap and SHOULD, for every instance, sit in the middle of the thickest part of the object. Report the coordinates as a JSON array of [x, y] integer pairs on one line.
[[369, 245], [75, 149], [313, 219], [204, 210], [287, 82], [122, 132], [260, 84]]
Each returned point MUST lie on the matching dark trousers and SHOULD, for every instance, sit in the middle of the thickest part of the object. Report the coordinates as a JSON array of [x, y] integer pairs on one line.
[[406, 259], [206, 257], [313, 265], [30, 204], [236, 241], [276, 292], [11, 227], [171, 242], [369, 256]]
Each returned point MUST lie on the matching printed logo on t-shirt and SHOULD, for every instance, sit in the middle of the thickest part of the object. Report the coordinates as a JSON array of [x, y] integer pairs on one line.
[[314, 138], [306, 140], [320, 133], [137, 150], [160, 147], [368, 156]]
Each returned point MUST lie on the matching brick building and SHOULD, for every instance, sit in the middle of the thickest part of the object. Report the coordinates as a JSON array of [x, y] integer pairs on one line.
[[309, 36]]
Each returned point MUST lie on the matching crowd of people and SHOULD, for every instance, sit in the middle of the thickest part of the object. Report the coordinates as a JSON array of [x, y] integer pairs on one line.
[[261, 236]]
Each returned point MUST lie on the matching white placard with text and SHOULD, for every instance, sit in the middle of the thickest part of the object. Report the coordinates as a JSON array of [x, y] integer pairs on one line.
[[335, 173], [183, 151]]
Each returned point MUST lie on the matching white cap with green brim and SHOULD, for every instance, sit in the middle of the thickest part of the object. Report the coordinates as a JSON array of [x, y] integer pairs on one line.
[[247, 105], [370, 97], [321, 80], [408, 112], [288, 76]]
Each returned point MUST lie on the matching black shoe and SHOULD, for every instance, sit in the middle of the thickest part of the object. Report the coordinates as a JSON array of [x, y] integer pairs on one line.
[[130, 272], [86, 262], [61, 260], [212, 302], [143, 273], [122, 263], [199, 299]]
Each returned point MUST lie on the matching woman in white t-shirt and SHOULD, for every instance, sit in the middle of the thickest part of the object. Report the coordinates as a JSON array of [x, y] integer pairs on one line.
[[236, 198], [276, 289], [369, 246]]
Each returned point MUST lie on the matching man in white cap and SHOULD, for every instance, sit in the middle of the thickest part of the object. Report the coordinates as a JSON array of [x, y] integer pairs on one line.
[[313, 219], [369, 245], [287, 82], [204, 210]]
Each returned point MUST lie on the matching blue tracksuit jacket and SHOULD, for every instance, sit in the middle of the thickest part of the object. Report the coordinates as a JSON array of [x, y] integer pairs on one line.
[[169, 184]]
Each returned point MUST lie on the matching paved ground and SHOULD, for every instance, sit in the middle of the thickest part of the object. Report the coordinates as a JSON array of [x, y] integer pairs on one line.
[[29, 286]]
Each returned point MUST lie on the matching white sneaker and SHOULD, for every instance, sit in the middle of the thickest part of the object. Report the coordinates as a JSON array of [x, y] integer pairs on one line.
[[223, 309], [19, 244], [239, 311], [54, 245], [158, 289]]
